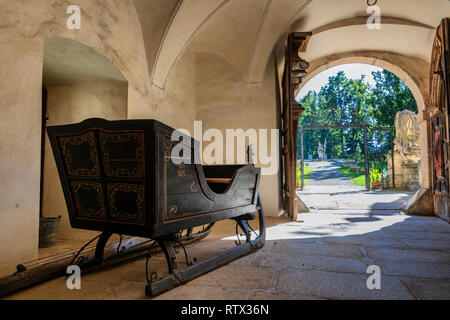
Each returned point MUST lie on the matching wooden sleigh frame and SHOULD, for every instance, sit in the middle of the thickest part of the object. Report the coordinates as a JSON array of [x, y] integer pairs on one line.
[[121, 177]]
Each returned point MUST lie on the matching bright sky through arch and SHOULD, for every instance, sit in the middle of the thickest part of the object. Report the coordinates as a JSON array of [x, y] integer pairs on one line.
[[352, 71]]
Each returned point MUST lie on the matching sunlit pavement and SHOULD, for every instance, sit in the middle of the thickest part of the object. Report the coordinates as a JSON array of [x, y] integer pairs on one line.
[[323, 255], [329, 189], [325, 173], [352, 198]]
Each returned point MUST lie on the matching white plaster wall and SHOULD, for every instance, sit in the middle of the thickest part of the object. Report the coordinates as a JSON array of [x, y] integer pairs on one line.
[[19, 153], [174, 106], [223, 101], [111, 28]]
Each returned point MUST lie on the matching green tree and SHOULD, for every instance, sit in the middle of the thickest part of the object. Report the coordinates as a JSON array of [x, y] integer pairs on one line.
[[344, 101], [390, 95]]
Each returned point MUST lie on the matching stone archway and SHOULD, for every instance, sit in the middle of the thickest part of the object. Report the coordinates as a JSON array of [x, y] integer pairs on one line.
[[412, 78], [413, 72]]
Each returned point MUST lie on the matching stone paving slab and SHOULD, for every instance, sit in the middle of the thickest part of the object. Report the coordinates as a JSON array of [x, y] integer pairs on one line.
[[413, 255], [417, 269], [428, 244], [324, 263], [334, 285], [317, 249], [428, 289], [423, 235], [91, 289], [361, 241], [265, 295], [192, 292], [416, 228], [237, 276]]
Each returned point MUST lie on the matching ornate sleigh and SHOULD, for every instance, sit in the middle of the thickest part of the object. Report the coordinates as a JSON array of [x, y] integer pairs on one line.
[[119, 177]]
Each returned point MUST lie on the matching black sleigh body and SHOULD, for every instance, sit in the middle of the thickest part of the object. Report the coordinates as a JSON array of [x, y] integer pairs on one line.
[[131, 177]]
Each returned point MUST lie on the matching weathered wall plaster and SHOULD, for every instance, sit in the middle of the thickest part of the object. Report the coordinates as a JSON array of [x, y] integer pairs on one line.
[[112, 29], [223, 101]]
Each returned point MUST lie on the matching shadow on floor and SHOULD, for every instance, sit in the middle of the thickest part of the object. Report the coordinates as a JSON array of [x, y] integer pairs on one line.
[[323, 257]]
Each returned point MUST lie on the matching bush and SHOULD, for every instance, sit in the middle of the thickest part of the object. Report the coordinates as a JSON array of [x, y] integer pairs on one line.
[[375, 175]]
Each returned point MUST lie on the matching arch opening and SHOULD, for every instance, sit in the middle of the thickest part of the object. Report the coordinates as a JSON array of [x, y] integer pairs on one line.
[[78, 83], [420, 157], [417, 92]]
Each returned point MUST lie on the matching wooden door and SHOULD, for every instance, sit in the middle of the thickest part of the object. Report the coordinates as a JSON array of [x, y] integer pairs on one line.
[[438, 111]]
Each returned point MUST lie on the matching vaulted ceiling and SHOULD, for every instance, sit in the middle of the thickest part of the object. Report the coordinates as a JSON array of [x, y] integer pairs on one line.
[[67, 62], [245, 32]]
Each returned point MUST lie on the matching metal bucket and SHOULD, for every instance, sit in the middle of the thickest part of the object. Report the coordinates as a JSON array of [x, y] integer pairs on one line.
[[48, 228]]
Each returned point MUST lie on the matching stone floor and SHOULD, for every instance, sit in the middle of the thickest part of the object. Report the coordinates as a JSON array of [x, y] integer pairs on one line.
[[345, 198], [323, 255]]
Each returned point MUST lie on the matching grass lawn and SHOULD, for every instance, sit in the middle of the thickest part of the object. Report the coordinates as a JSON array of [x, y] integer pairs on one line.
[[306, 174], [357, 178]]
